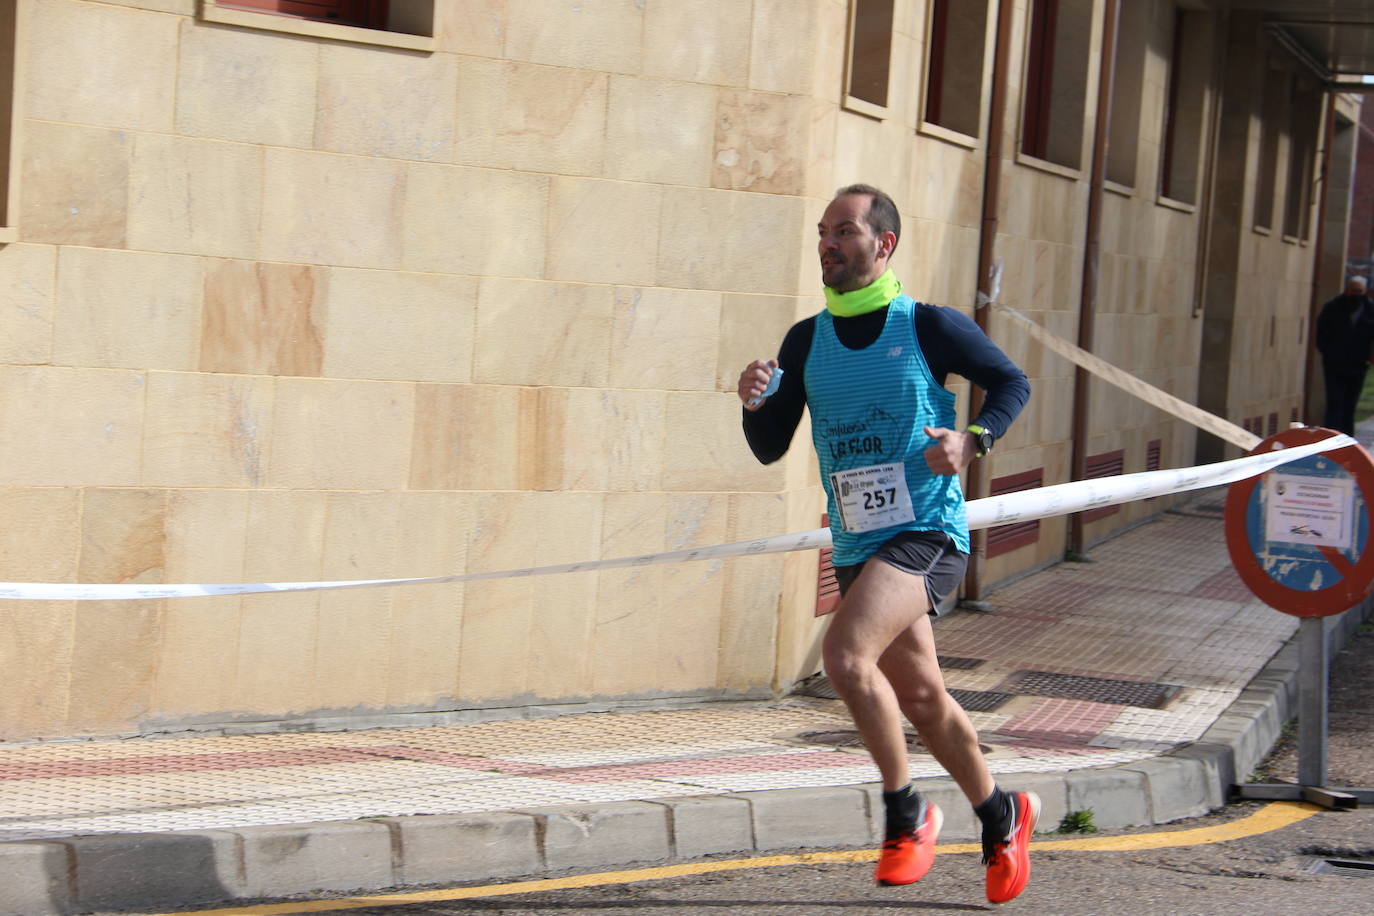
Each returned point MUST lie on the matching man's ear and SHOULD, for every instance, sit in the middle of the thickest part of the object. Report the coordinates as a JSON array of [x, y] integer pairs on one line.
[[887, 243]]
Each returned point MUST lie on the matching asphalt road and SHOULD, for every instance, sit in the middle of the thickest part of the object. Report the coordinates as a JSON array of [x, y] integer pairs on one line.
[[1267, 872]]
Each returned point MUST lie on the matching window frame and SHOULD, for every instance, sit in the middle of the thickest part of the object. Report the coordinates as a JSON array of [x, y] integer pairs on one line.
[[1043, 103], [855, 103], [13, 21], [935, 53], [225, 13]]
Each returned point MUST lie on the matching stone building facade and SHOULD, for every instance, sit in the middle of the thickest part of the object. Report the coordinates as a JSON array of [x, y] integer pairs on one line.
[[467, 288]]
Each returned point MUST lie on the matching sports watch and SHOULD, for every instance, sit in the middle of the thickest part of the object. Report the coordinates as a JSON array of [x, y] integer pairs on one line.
[[983, 437]]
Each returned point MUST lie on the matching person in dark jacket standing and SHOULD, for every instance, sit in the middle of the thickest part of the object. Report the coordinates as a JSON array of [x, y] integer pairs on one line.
[[1345, 332]]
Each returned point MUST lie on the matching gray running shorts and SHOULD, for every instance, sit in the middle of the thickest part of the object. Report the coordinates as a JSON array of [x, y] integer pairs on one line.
[[928, 554]]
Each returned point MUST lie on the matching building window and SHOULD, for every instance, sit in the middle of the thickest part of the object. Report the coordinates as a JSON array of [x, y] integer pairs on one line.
[[1185, 106], [403, 24], [1304, 121], [1273, 115], [870, 53], [957, 39], [369, 14], [10, 93], [1056, 83], [1128, 80]]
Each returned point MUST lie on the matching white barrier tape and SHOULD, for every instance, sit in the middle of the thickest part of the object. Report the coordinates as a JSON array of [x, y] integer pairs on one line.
[[1217, 426], [1025, 505]]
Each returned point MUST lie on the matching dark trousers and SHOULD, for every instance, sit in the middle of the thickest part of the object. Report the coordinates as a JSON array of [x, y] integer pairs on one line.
[[1343, 386]]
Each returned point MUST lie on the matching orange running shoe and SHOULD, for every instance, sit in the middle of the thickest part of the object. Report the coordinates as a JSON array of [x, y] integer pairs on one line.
[[1008, 860], [906, 858]]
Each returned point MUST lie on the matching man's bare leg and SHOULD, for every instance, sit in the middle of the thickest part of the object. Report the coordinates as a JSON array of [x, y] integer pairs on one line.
[[912, 668], [881, 605]]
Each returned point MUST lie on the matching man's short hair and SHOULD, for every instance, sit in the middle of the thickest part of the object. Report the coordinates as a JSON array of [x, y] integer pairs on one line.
[[882, 212]]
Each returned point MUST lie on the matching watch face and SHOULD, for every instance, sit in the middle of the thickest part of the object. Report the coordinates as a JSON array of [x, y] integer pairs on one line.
[[985, 441]]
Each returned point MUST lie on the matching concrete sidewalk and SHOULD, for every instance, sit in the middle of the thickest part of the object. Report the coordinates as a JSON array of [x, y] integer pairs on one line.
[[1140, 687]]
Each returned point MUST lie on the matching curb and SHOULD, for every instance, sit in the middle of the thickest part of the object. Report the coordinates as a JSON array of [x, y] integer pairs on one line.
[[184, 868]]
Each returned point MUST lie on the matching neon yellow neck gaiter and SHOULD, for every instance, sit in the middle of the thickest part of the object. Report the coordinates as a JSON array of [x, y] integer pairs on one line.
[[862, 301]]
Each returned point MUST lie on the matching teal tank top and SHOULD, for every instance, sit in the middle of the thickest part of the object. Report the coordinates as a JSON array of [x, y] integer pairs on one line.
[[868, 408]]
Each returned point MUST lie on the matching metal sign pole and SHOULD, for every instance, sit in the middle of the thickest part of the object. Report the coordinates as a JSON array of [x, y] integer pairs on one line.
[[1313, 669]]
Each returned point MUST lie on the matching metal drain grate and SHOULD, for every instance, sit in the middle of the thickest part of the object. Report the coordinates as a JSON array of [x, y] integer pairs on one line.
[[849, 738], [979, 700], [819, 686], [1351, 868], [1095, 689], [954, 662]]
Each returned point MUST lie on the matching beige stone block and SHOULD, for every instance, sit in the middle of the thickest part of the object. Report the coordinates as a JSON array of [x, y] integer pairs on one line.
[[531, 333], [659, 131], [276, 660], [198, 648], [263, 319], [390, 325], [396, 105], [276, 671], [321, 208], [126, 309], [474, 437], [194, 197], [820, 164], [341, 435], [711, 240], [206, 430], [352, 646], [115, 643], [592, 34], [698, 41], [472, 27], [602, 231], [751, 327], [474, 221], [560, 636], [665, 338], [704, 448], [599, 440], [493, 658], [180, 7], [427, 620], [748, 636], [783, 45], [876, 153], [627, 602], [243, 84], [35, 668], [692, 594], [514, 115], [74, 185], [28, 283], [761, 139], [41, 538], [70, 427], [100, 65]]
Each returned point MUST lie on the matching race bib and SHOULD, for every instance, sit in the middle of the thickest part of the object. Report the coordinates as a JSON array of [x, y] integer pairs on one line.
[[872, 497]]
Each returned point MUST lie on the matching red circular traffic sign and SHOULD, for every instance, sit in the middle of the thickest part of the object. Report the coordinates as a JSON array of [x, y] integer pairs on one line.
[[1354, 578]]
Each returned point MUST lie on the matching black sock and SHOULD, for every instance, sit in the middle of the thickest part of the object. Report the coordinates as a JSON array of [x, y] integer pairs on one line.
[[902, 807], [996, 812]]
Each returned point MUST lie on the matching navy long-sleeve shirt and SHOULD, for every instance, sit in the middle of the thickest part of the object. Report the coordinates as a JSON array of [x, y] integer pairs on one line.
[[950, 342]]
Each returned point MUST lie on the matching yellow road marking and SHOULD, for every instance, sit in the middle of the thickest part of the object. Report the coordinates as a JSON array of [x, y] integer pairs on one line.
[[1271, 817]]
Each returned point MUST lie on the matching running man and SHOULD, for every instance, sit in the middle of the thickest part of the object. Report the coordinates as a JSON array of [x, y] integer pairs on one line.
[[871, 370]]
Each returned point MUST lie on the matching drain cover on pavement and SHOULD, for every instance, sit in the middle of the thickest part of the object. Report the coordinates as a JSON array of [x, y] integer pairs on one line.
[[849, 738], [1353, 868], [979, 700], [1095, 689]]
